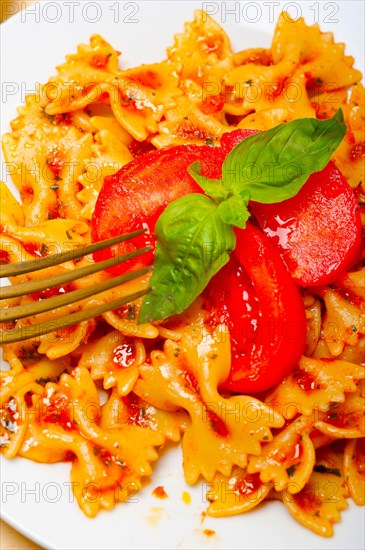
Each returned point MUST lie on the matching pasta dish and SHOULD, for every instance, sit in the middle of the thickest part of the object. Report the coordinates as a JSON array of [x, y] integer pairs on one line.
[[252, 354]]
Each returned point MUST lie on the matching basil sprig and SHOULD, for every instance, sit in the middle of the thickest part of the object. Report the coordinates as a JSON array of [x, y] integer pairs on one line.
[[202, 242], [195, 233]]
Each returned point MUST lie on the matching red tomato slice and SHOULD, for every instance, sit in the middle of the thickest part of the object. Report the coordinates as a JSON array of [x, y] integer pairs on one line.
[[254, 294], [318, 231], [261, 305], [231, 139], [137, 195]]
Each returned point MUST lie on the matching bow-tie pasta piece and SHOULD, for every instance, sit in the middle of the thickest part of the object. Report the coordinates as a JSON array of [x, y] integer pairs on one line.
[[45, 157], [108, 465], [203, 55], [287, 460], [238, 493], [114, 360], [130, 409], [344, 322], [315, 385], [320, 502], [354, 469], [16, 387], [202, 51], [222, 431], [345, 420], [108, 154], [138, 97]]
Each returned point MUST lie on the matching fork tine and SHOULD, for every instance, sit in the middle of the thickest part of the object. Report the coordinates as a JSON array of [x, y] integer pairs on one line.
[[36, 330], [30, 287], [33, 308], [11, 270]]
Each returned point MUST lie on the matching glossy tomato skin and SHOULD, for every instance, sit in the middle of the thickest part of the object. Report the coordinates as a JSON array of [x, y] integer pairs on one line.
[[262, 307], [253, 294], [318, 231], [231, 139], [139, 192]]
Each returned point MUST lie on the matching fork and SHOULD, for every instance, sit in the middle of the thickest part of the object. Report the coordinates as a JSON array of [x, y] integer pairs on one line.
[[15, 313]]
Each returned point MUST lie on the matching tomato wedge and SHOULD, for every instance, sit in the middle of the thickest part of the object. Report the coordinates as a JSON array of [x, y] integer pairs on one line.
[[261, 306], [138, 193], [231, 139], [317, 234], [318, 231], [253, 294]]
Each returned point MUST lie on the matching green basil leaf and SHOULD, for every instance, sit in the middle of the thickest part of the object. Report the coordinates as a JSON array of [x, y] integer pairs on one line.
[[213, 188], [234, 211], [193, 244], [274, 165], [195, 233]]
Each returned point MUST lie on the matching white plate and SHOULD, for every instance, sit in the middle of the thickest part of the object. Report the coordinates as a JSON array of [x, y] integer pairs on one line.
[[37, 499]]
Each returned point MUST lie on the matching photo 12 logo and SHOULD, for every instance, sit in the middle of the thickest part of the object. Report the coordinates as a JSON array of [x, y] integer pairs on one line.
[[253, 12], [52, 492], [70, 11]]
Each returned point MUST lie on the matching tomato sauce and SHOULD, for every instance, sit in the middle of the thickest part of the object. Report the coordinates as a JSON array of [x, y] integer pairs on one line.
[[358, 151], [57, 410], [136, 412], [308, 500], [124, 355], [147, 78], [159, 492], [100, 61], [53, 291], [217, 424], [55, 161], [248, 485], [305, 380]]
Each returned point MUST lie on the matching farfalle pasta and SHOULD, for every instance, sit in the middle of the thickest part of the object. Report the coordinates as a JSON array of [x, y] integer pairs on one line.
[[241, 423], [301, 442]]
